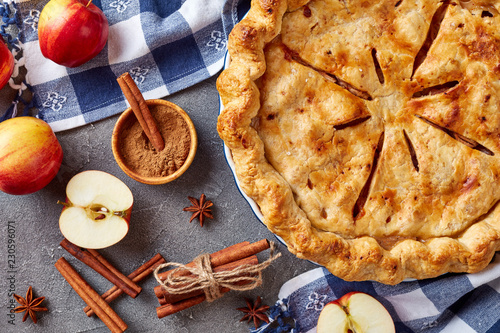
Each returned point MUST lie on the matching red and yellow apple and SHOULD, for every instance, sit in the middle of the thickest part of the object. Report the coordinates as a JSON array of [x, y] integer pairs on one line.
[[97, 210], [30, 155], [71, 32], [6, 64], [355, 312]]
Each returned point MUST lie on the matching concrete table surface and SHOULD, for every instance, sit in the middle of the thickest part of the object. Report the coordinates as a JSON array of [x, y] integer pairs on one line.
[[158, 225]]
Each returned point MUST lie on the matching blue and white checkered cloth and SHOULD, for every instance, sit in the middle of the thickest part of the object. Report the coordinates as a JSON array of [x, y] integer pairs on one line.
[[452, 303], [166, 45]]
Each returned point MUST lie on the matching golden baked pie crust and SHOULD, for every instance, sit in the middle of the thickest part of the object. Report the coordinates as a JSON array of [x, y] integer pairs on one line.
[[368, 132]]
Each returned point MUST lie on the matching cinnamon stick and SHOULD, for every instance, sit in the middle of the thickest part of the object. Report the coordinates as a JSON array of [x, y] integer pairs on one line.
[[232, 253], [136, 276], [113, 270], [91, 297], [166, 297], [88, 259], [141, 110], [171, 308], [168, 309]]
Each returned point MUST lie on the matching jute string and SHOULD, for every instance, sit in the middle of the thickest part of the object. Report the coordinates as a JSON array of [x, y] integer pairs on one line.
[[203, 278]]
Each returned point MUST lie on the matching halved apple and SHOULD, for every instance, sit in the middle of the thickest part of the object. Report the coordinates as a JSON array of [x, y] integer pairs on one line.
[[355, 312], [97, 210]]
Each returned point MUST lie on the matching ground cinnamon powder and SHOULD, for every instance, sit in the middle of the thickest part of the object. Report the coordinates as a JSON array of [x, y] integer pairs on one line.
[[140, 155]]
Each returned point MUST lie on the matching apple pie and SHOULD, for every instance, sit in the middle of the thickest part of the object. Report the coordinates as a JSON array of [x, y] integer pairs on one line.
[[368, 132]]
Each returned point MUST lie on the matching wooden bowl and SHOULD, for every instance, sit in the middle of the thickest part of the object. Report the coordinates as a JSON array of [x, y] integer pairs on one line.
[[126, 119]]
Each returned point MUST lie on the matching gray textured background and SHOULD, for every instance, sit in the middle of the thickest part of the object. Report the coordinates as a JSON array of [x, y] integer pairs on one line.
[[158, 225]]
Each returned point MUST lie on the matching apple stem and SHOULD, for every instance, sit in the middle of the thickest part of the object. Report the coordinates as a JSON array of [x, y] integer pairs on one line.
[[65, 204], [88, 4], [120, 214]]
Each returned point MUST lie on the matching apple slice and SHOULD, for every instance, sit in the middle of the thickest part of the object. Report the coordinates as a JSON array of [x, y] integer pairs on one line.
[[97, 210], [355, 312]]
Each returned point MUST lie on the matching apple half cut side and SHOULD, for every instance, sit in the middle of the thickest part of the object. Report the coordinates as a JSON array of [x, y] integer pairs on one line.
[[355, 312], [97, 210]]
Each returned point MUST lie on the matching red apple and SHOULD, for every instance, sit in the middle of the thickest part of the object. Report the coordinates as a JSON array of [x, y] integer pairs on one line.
[[6, 64], [355, 312], [97, 210], [30, 155], [71, 32]]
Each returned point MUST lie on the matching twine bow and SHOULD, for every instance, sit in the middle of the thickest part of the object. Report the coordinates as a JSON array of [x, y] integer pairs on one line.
[[203, 278]]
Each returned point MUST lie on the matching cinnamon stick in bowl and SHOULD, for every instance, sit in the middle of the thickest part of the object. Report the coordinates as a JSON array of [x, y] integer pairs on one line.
[[141, 110], [137, 156]]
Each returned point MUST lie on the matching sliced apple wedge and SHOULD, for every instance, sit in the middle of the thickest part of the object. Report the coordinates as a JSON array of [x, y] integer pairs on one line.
[[355, 312], [97, 210]]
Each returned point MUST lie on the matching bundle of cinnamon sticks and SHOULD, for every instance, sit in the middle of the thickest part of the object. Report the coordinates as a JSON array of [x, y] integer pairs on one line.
[[99, 304], [227, 259]]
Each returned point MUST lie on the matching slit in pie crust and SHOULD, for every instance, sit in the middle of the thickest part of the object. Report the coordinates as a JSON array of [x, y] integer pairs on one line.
[[368, 132]]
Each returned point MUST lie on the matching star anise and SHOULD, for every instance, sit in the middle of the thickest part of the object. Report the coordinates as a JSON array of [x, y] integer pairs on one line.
[[200, 209], [254, 311], [30, 305]]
